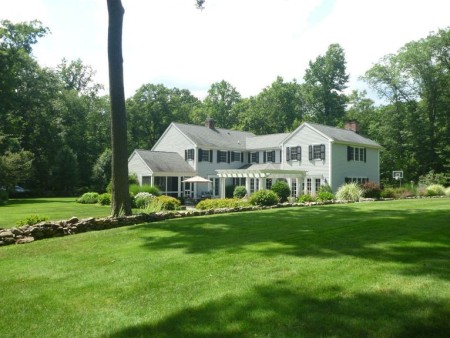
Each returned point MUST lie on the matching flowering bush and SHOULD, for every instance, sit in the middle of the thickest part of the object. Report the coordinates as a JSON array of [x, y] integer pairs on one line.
[[143, 199]]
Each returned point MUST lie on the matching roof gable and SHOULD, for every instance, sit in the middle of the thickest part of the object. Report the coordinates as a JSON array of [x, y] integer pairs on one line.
[[162, 161]]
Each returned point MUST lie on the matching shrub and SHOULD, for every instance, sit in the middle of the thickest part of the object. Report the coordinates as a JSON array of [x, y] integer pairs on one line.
[[104, 199], [435, 190], [264, 197], [30, 220], [433, 178], [229, 190], [219, 203], [397, 193], [282, 190], [143, 199], [151, 189], [447, 192], [305, 198], [239, 192], [166, 202], [387, 192], [349, 192], [325, 188], [324, 196], [88, 198], [371, 190]]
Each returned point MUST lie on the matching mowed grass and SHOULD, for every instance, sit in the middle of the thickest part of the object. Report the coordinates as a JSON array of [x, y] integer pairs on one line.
[[54, 208], [360, 270]]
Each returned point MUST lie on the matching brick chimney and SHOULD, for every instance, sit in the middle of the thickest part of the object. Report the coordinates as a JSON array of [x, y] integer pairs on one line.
[[209, 122], [352, 125]]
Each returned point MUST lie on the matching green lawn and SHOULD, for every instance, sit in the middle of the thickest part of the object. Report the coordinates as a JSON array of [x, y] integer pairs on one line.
[[53, 208], [359, 270]]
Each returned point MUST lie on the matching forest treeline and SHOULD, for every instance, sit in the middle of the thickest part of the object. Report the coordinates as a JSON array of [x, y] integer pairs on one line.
[[55, 125]]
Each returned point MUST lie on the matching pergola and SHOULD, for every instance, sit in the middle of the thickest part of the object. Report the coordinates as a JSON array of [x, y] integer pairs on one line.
[[261, 173]]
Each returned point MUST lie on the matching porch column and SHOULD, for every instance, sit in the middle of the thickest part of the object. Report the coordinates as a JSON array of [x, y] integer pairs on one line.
[[247, 185], [222, 187]]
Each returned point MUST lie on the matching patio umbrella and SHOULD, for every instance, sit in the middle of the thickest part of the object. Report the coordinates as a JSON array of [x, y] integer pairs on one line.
[[197, 180]]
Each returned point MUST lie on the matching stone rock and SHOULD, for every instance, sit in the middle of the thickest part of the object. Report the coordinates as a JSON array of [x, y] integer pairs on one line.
[[25, 240], [6, 233], [72, 220]]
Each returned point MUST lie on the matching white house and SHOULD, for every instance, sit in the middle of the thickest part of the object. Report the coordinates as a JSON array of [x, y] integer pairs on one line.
[[310, 156]]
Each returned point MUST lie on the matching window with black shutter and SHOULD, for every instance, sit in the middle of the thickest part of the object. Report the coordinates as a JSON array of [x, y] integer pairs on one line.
[[200, 153], [288, 154], [229, 157], [310, 148], [299, 153], [322, 152], [264, 156], [210, 156]]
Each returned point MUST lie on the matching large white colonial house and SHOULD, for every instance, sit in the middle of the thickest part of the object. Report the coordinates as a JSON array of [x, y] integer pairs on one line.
[[310, 156]]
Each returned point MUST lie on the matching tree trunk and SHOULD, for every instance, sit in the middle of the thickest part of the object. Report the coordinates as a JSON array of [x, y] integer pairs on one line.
[[120, 200]]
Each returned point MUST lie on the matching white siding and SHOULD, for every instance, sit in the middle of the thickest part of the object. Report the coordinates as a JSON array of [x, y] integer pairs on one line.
[[343, 168], [137, 166], [209, 168], [305, 137]]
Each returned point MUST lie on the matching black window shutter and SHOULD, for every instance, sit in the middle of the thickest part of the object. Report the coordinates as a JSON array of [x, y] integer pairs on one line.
[[273, 156], [210, 156], [193, 154], [288, 154], [310, 152], [249, 157], [299, 153], [322, 151], [349, 153], [264, 157], [200, 155], [218, 156], [229, 157], [281, 155], [257, 157], [365, 155], [242, 157], [185, 154]]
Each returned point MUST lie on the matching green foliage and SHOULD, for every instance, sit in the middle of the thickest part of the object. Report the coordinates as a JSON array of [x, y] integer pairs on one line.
[[101, 172], [325, 196], [229, 190], [371, 190], [397, 193], [325, 188], [3, 196], [349, 192], [447, 192], [104, 199], [31, 220], [167, 202], [264, 198], [282, 190], [433, 178], [151, 189], [239, 192], [218, 203], [436, 190], [306, 198], [88, 198], [143, 199]]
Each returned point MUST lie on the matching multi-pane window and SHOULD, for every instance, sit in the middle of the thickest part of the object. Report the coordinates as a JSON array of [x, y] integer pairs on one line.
[[308, 185], [294, 188], [239, 181], [235, 156], [271, 156], [221, 156], [294, 153], [317, 152], [269, 183], [254, 157], [356, 154], [359, 180], [189, 154], [204, 155], [317, 185]]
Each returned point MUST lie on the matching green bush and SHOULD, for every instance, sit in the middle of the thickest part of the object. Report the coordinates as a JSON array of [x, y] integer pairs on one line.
[[88, 198], [349, 192], [264, 197], [325, 188], [397, 193], [30, 220], [239, 192], [371, 190], [143, 199], [167, 202], [219, 203], [387, 192], [104, 199], [447, 192], [282, 190], [305, 198], [434, 178], [324, 196], [136, 189], [435, 190], [229, 190]]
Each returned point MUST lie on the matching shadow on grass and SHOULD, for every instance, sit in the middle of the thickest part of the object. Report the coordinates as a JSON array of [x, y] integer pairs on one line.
[[280, 310], [22, 201], [420, 239]]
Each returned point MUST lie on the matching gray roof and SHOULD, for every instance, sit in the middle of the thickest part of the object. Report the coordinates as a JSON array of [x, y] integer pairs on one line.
[[261, 166], [343, 135], [217, 138], [265, 141], [161, 161]]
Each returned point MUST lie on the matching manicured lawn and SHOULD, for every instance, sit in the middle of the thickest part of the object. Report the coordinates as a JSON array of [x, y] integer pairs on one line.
[[53, 208], [360, 270]]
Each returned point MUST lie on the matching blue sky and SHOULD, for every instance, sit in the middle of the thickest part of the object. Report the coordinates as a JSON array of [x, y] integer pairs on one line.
[[245, 42]]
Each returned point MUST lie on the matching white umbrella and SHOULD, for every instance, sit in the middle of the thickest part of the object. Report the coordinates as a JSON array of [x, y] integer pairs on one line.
[[196, 179]]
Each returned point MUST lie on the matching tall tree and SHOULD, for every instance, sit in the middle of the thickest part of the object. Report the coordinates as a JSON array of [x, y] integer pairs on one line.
[[325, 81], [120, 201]]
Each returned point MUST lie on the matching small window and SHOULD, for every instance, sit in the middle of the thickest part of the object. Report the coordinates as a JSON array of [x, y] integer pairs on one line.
[[190, 154], [221, 156], [293, 153], [317, 152], [255, 157], [356, 154], [235, 156], [271, 156]]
